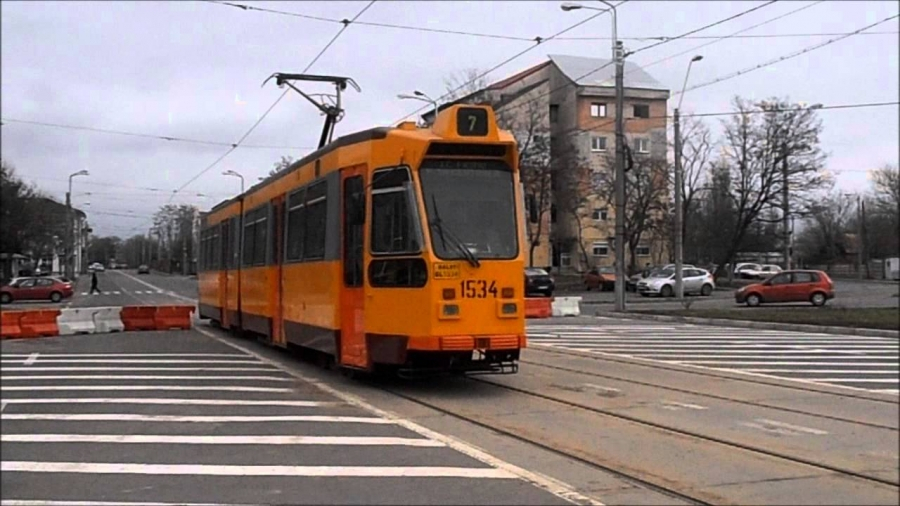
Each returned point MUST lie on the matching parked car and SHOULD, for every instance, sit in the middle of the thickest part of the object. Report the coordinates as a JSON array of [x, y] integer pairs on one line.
[[788, 286], [747, 270], [603, 278], [538, 282], [36, 288], [662, 283], [144, 269]]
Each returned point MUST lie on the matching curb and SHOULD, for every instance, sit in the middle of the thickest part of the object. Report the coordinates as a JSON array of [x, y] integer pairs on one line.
[[791, 327]]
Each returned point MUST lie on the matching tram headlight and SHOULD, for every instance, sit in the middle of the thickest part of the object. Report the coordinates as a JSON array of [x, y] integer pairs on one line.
[[449, 311], [510, 308]]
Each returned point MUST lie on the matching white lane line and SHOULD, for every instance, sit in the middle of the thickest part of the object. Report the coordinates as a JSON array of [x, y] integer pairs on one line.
[[221, 440], [732, 345], [117, 293], [675, 406], [31, 359], [82, 293], [757, 356], [888, 391], [547, 483], [199, 369], [761, 352], [170, 401], [132, 377], [601, 388], [208, 388], [224, 470], [126, 417], [87, 355], [824, 371], [135, 361], [774, 426], [156, 288], [3, 406], [31, 502], [852, 380], [779, 362]]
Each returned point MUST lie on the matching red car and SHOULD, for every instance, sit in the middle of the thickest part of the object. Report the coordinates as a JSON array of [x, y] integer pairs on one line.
[[36, 288], [789, 286]]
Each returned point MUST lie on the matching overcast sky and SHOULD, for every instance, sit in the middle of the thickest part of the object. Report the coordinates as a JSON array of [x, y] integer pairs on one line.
[[194, 69]]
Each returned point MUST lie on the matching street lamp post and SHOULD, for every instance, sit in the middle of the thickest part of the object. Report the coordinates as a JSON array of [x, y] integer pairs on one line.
[[70, 228], [235, 174], [418, 95], [618, 55], [679, 214]]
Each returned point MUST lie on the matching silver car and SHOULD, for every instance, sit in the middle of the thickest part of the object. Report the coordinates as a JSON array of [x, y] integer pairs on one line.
[[663, 282]]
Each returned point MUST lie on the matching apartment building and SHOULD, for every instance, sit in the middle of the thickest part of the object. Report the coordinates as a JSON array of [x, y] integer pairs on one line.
[[562, 112]]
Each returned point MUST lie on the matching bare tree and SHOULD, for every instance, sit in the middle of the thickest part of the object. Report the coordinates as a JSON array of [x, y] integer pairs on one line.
[[571, 186], [281, 165], [824, 239], [886, 190], [762, 142], [697, 157], [885, 215], [467, 83], [646, 199]]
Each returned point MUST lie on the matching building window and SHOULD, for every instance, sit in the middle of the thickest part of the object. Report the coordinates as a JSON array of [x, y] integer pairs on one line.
[[641, 111], [642, 145], [601, 214], [553, 213], [554, 113], [643, 251], [565, 260], [600, 249], [598, 143], [598, 110]]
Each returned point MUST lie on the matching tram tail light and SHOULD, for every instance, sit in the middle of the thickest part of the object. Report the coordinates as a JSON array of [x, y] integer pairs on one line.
[[449, 293], [508, 293]]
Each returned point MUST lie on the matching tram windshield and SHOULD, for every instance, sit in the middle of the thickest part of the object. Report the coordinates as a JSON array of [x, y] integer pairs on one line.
[[471, 209]]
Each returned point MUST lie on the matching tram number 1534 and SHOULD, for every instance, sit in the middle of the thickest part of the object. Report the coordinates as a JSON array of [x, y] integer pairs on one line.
[[477, 289]]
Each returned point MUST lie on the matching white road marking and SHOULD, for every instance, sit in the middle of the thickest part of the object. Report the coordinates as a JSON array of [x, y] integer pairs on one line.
[[221, 440], [3, 406], [671, 405], [31, 359], [131, 377], [199, 369], [156, 288], [888, 391], [30, 502], [214, 470], [136, 361], [127, 417], [858, 380], [148, 387], [170, 401], [116, 292], [774, 362], [825, 371], [82, 293], [731, 346], [66, 355], [781, 427], [601, 388], [547, 483]]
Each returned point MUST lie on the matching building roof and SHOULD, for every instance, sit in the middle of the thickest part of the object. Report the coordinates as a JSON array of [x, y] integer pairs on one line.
[[577, 67]]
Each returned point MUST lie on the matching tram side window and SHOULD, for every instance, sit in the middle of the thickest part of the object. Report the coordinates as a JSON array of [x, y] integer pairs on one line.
[[314, 229], [236, 243], [295, 218], [392, 225], [249, 227], [259, 241]]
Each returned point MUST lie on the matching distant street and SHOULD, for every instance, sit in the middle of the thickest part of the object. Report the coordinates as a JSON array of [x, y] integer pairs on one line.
[[848, 293]]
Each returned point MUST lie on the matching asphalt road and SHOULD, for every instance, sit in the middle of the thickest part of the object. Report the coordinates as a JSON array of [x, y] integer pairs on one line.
[[848, 293], [868, 363], [123, 288], [183, 418]]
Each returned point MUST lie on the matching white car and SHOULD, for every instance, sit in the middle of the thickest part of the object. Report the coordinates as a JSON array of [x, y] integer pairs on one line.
[[766, 270], [97, 266], [663, 283]]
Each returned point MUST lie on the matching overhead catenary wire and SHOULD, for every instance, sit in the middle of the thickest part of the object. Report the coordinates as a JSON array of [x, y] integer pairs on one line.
[[787, 57], [575, 81], [147, 136], [538, 41], [345, 24], [520, 38]]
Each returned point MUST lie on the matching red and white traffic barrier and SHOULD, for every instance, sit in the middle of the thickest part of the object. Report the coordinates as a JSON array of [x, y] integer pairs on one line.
[[93, 320]]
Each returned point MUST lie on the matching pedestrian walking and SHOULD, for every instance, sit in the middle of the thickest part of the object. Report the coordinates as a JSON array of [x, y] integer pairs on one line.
[[94, 283]]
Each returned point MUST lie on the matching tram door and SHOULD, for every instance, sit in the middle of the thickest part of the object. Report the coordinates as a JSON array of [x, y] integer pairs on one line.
[[353, 336]]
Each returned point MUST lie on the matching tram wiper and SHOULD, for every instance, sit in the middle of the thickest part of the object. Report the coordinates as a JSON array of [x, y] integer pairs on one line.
[[454, 240]]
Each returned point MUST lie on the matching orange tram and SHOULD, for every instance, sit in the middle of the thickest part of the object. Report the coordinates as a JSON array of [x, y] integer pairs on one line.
[[392, 248]]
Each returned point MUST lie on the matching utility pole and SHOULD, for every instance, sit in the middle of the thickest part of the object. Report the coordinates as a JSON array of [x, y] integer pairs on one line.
[[859, 237], [679, 212], [67, 251], [679, 219], [785, 209], [620, 176]]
